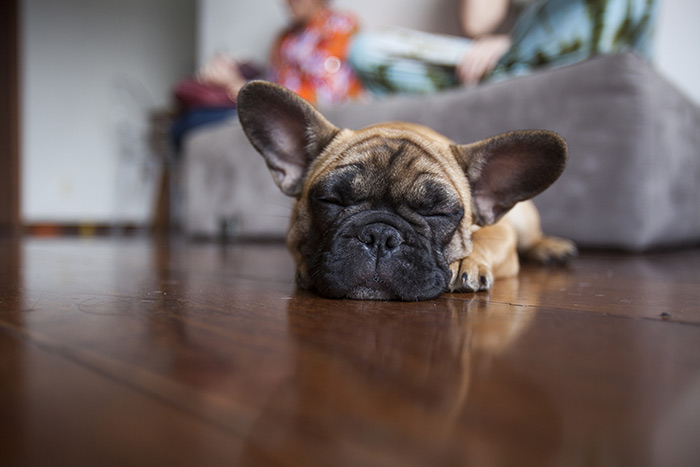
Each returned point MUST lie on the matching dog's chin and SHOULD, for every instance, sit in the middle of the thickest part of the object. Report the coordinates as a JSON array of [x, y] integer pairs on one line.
[[376, 288], [372, 290], [368, 293]]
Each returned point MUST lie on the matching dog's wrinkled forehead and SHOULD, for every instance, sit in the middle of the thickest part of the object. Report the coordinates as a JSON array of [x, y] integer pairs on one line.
[[385, 168]]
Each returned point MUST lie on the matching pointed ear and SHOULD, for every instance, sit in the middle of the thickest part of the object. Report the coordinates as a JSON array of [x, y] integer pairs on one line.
[[509, 168], [288, 131]]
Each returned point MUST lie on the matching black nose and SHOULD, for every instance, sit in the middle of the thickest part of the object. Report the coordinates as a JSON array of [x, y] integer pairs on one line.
[[381, 239]]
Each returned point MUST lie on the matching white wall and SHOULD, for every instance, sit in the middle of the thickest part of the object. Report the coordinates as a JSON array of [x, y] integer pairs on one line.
[[678, 39], [241, 28], [91, 71], [247, 27]]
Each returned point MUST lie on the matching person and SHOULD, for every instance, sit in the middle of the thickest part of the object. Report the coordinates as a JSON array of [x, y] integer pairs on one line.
[[310, 57], [502, 39]]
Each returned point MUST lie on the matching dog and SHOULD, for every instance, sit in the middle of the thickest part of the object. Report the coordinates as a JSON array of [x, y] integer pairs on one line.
[[397, 211]]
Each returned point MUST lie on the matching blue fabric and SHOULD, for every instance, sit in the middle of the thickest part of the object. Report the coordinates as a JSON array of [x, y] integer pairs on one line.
[[548, 33], [551, 33], [194, 118], [400, 60]]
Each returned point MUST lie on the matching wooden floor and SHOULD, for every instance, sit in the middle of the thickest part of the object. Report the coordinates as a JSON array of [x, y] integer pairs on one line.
[[139, 352]]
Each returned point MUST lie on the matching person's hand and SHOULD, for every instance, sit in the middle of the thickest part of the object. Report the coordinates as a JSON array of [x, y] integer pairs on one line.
[[482, 57], [222, 71]]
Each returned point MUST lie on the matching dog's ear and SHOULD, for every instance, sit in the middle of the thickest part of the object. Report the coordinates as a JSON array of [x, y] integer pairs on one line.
[[288, 131], [509, 168]]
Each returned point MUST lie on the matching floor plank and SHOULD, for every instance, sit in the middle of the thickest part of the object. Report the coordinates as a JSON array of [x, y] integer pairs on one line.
[[138, 352]]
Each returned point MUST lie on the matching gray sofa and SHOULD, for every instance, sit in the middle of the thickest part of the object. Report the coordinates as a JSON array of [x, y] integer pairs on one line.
[[632, 180]]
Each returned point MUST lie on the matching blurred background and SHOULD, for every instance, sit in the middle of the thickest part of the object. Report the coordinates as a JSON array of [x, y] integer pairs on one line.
[[91, 75]]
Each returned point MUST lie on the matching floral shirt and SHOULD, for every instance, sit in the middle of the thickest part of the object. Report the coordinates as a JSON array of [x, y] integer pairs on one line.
[[312, 60]]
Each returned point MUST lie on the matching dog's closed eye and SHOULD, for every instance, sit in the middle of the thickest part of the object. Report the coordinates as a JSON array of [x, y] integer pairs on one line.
[[434, 200]]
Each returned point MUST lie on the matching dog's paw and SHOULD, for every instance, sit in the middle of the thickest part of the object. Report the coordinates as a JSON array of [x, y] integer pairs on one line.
[[470, 275], [551, 251]]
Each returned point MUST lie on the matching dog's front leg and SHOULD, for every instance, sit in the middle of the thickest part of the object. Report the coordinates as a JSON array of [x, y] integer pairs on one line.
[[494, 256]]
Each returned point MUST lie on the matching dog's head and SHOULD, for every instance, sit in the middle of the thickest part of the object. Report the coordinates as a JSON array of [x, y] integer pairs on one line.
[[382, 212]]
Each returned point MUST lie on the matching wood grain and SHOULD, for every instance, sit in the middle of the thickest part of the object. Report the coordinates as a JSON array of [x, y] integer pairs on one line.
[[145, 352]]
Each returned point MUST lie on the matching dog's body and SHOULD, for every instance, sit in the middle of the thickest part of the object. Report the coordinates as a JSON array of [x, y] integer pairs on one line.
[[396, 210]]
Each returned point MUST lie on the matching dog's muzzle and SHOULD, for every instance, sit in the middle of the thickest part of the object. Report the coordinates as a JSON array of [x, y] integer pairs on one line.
[[379, 256]]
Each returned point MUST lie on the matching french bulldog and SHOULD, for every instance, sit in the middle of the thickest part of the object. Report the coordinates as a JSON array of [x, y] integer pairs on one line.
[[397, 211]]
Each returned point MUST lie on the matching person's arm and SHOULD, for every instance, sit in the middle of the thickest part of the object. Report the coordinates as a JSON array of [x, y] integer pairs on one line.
[[482, 17]]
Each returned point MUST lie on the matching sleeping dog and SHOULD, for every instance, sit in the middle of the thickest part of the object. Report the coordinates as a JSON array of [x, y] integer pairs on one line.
[[397, 210]]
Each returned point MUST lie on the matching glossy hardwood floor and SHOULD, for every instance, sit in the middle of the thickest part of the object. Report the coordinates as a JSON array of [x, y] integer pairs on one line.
[[140, 352]]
